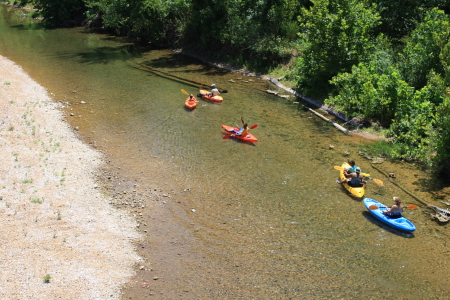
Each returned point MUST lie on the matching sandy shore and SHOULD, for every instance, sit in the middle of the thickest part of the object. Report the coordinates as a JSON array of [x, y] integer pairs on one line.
[[55, 223]]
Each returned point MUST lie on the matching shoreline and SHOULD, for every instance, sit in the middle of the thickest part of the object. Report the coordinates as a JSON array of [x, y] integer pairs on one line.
[[57, 224]]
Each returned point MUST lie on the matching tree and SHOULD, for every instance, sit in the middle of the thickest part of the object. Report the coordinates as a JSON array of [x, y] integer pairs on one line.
[[371, 93], [442, 138], [399, 18], [260, 33], [154, 21], [339, 35], [60, 12], [427, 49]]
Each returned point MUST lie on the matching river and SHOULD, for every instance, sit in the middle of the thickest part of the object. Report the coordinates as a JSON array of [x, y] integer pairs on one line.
[[232, 220]]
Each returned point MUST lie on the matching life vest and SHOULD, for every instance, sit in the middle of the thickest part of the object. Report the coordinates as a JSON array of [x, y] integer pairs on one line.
[[241, 131], [356, 180]]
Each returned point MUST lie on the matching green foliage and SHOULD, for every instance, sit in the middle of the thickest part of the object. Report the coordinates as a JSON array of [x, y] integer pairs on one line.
[[407, 93], [208, 20], [413, 124], [370, 91], [155, 21], [261, 33], [60, 12], [400, 18], [339, 35], [442, 137], [427, 49], [385, 149]]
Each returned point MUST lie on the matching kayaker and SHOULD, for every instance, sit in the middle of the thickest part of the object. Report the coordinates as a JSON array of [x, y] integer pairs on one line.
[[192, 98], [243, 130], [396, 210], [348, 172], [355, 181], [214, 91]]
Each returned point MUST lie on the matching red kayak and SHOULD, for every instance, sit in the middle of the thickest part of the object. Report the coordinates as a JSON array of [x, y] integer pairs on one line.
[[205, 95], [191, 103], [232, 130]]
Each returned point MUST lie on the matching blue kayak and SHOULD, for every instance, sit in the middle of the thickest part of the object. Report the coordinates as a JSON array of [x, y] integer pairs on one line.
[[399, 223]]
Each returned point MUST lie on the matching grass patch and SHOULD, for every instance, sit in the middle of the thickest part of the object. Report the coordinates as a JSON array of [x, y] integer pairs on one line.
[[384, 149], [37, 200], [47, 278]]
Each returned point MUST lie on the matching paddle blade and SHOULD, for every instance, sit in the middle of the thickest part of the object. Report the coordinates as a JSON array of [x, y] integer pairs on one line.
[[373, 207], [378, 181], [227, 136], [338, 168], [365, 174], [254, 126], [184, 92], [224, 91], [411, 206]]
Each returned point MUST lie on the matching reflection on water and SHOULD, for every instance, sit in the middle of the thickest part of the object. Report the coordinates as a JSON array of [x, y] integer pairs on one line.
[[240, 221]]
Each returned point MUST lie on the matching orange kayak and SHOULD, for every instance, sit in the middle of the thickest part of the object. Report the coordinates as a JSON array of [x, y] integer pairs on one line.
[[232, 130], [213, 98], [190, 104]]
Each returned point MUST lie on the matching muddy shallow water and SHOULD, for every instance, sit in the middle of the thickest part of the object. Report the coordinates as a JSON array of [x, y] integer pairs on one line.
[[225, 219]]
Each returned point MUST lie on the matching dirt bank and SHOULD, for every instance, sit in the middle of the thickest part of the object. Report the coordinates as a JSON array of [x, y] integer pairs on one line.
[[57, 226]]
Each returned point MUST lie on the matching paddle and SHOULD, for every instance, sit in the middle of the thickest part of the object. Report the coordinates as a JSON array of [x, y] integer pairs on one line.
[[229, 135], [378, 181], [411, 206], [342, 169]]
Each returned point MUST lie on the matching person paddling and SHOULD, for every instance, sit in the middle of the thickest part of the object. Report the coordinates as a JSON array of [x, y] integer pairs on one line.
[[192, 98], [355, 181], [243, 130], [348, 172], [396, 210], [214, 91]]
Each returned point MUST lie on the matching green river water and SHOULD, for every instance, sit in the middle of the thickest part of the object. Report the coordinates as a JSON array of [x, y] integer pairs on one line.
[[241, 221]]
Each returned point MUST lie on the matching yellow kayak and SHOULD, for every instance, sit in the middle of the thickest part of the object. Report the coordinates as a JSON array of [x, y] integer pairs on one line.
[[355, 191]]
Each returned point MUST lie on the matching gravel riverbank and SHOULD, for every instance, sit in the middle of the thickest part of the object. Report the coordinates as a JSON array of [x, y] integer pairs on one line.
[[61, 237]]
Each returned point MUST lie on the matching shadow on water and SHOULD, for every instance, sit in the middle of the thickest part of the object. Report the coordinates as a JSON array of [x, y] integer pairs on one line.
[[238, 140], [179, 61], [168, 76], [103, 55], [28, 26], [383, 226]]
